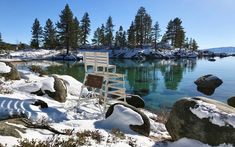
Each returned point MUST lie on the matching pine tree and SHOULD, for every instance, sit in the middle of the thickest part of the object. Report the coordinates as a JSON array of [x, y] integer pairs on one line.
[[194, 45], [131, 38], [65, 26], [102, 35], [36, 34], [49, 35], [96, 39], [186, 43], [85, 28], [76, 33], [0, 38], [109, 32], [143, 27], [156, 34], [175, 33], [120, 38]]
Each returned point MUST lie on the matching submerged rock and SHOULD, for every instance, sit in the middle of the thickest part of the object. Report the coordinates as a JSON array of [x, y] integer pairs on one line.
[[13, 74], [202, 119], [143, 129], [208, 83]]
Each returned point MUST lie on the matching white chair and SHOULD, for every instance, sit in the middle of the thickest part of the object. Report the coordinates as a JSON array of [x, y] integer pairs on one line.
[[98, 60]]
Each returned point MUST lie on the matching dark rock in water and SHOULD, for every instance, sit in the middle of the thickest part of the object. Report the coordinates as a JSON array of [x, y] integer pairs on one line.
[[40, 103], [206, 91], [13, 74], [182, 122], [134, 100], [38, 93], [60, 93], [231, 101], [142, 129], [211, 59], [207, 84]]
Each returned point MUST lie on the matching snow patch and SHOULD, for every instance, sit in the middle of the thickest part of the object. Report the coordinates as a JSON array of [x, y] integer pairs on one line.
[[217, 117], [4, 68], [121, 118]]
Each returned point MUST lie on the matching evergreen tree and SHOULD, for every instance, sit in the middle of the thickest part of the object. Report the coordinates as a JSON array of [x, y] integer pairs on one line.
[[120, 39], [76, 33], [65, 26], [49, 35], [102, 35], [186, 43], [96, 39], [37, 34], [156, 34], [131, 38], [109, 32], [85, 28], [0, 38], [175, 33], [143, 27], [194, 45]]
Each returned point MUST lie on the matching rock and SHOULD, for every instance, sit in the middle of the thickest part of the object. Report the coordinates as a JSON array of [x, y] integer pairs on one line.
[[207, 84], [231, 101], [13, 74], [60, 93], [134, 100], [11, 130], [183, 122], [212, 59], [142, 129], [38, 93], [40, 103]]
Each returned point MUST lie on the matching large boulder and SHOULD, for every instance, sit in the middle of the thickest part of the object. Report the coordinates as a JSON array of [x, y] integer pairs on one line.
[[134, 100], [231, 101], [202, 119], [13, 74], [143, 129], [207, 84], [60, 88]]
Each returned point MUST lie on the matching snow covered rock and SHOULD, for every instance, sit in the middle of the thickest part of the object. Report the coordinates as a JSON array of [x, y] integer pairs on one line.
[[40, 103], [207, 84], [60, 90], [231, 101], [9, 71], [134, 100], [202, 119], [123, 115]]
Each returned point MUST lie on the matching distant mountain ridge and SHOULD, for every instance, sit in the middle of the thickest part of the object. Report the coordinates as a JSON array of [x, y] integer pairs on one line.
[[227, 50]]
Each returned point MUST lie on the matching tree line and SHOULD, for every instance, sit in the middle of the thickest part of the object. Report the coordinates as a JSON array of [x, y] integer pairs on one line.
[[70, 33]]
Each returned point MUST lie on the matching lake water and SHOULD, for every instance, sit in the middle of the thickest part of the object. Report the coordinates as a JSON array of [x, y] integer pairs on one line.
[[162, 82]]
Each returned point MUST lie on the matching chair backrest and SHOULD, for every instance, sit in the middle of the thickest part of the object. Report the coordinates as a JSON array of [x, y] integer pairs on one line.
[[96, 59]]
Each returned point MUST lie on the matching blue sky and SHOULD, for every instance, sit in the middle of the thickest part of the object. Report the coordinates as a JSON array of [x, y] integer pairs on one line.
[[210, 22]]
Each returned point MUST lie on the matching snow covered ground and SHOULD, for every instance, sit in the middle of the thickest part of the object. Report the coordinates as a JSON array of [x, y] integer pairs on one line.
[[77, 115]]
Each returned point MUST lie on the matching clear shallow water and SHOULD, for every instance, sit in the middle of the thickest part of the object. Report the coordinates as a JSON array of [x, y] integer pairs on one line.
[[162, 82]]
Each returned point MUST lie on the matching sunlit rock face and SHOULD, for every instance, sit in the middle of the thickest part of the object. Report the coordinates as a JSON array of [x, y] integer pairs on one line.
[[203, 119]]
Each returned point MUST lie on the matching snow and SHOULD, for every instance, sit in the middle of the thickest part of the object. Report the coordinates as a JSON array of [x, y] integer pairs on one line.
[[83, 115], [74, 86], [217, 117], [4, 68], [121, 118]]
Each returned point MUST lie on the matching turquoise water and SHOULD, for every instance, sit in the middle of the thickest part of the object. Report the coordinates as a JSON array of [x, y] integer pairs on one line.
[[162, 82]]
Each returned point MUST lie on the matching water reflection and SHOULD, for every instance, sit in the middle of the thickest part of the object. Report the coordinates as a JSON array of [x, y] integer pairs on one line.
[[162, 82], [143, 77]]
